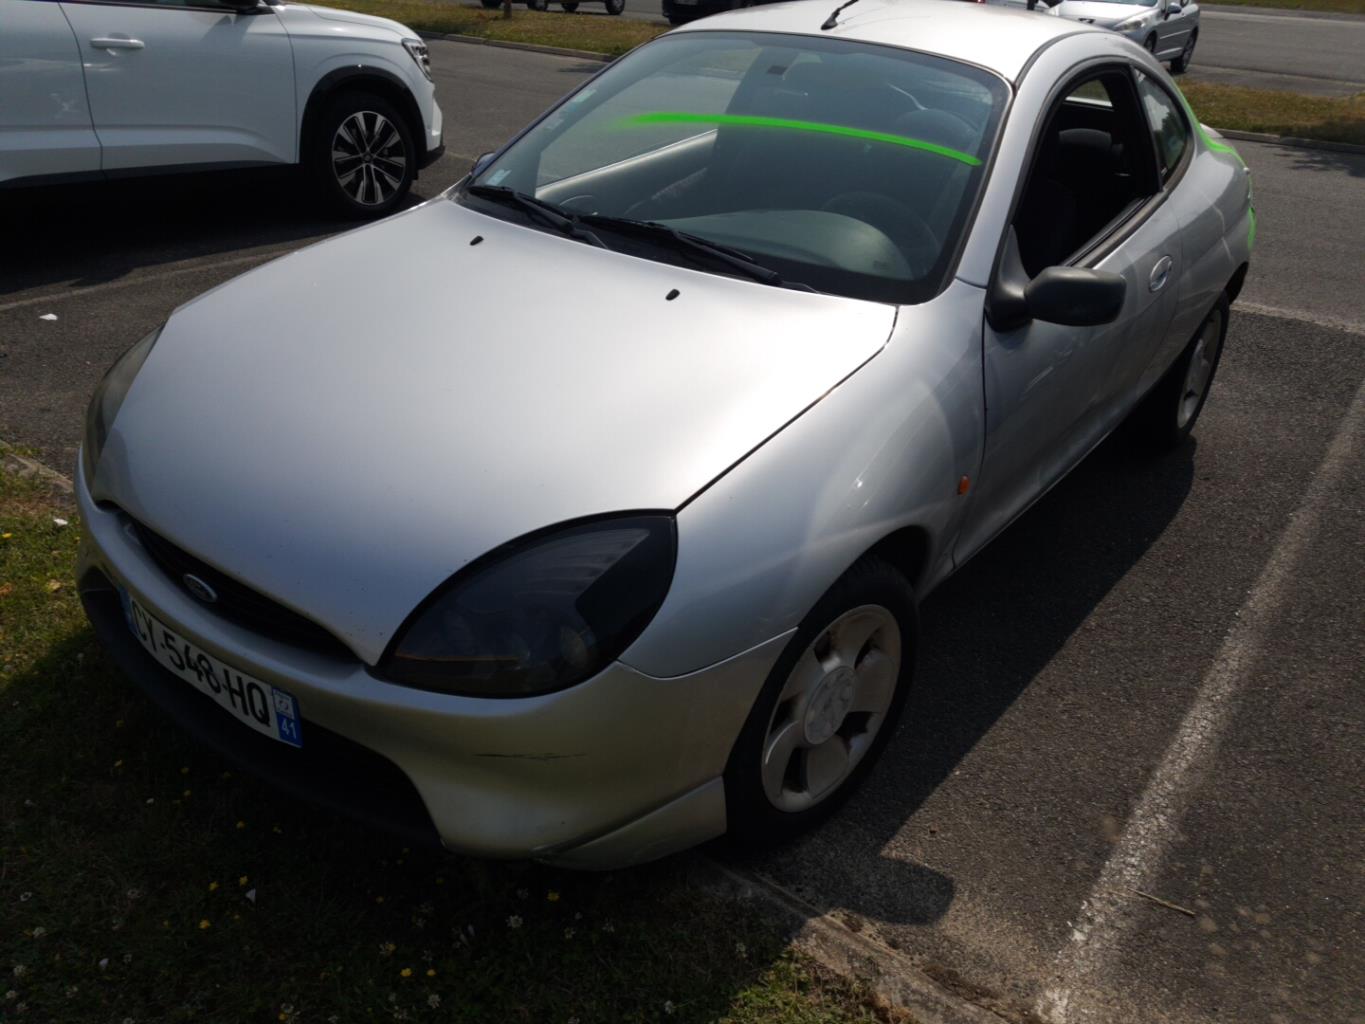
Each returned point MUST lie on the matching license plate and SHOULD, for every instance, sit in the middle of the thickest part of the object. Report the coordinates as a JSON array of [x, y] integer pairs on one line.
[[265, 708]]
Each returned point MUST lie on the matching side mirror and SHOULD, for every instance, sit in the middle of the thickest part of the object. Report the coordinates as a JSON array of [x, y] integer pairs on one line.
[[1075, 296]]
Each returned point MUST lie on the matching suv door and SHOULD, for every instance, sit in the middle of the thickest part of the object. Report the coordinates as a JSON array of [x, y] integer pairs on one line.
[[1092, 198], [45, 124], [176, 83]]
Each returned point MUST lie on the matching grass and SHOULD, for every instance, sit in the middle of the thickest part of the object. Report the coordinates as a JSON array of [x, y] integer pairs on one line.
[[593, 32], [141, 879], [1278, 113], [1333, 6]]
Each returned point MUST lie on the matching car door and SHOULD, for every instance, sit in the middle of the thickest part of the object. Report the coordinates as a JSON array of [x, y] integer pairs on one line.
[[1174, 28], [45, 127], [1091, 199], [178, 83]]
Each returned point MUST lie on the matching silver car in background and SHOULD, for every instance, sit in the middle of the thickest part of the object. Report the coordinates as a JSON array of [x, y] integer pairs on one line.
[[583, 512], [1167, 29]]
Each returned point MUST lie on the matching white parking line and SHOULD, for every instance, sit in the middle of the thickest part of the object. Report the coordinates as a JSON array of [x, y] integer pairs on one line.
[[1105, 917]]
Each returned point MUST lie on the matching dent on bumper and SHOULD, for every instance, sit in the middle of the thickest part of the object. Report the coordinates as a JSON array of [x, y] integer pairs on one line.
[[622, 768]]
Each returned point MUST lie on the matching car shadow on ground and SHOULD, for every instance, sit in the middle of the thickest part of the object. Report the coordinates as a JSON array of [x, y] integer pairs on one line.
[[88, 234], [986, 634], [1336, 161]]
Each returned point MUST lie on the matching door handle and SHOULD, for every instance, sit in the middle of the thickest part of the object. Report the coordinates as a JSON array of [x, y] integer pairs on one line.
[[1161, 273], [111, 43]]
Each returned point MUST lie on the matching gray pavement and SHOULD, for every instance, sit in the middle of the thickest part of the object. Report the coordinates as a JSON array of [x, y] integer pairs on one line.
[[1151, 682], [1284, 50]]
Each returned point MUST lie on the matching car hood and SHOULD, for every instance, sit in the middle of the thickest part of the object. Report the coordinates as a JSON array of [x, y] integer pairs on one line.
[[1102, 14], [355, 18], [344, 428]]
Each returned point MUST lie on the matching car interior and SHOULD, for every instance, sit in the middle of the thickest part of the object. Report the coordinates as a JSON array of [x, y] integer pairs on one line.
[[1092, 166], [846, 202]]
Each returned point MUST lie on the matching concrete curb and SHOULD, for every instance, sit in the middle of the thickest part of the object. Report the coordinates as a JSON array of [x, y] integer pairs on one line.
[[833, 944], [21, 465], [1291, 140], [559, 51]]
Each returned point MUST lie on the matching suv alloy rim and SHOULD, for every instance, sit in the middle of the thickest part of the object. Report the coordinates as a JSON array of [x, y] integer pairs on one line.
[[368, 158]]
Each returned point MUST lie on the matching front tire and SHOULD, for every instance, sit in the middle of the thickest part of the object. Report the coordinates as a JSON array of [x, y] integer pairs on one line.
[[1182, 63], [1169, 412], [363, 156], [615, 6], [827, 709]]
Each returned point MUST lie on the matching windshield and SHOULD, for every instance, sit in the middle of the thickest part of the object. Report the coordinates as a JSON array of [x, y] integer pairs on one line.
[[840, 166]]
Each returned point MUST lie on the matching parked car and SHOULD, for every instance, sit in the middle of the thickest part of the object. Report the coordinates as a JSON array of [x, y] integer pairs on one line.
[[583, 513], [1167, 29], [108, 88]]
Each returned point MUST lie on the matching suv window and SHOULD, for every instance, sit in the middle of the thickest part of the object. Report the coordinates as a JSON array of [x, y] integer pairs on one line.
[[1093, 166], [1167, 120]]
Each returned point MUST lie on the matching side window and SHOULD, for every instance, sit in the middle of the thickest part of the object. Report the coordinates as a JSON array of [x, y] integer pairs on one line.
[[1169, 129], [1092, 167]]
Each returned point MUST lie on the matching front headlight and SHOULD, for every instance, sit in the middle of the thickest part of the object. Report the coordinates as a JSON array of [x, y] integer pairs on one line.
[[539, 614], [108, 397], [1135, 22], [417, 50]]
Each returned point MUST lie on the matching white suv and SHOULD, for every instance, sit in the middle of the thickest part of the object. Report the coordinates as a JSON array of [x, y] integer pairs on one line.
[[104, 88]]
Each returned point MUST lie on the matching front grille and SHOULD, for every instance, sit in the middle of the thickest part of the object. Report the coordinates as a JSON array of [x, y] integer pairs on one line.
[[328, 769], [237, 602]]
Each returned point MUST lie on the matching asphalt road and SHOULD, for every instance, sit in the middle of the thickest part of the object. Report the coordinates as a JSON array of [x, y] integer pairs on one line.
[[1150, 683]]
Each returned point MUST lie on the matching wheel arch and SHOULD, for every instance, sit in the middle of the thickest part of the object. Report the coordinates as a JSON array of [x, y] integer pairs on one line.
[[908, 549], [367, 78], [1238, 279]]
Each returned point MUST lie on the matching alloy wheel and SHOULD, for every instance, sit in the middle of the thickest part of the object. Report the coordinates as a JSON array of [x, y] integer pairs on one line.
[[831, 707], [368, 158]]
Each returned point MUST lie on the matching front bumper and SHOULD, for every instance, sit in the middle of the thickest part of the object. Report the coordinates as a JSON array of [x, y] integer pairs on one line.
[[617, 770]]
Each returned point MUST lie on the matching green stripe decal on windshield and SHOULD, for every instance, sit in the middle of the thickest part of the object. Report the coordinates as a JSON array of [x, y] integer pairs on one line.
[[747, 121]]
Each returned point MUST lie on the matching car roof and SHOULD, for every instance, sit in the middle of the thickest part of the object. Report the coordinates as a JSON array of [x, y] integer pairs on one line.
[[1001, 39]]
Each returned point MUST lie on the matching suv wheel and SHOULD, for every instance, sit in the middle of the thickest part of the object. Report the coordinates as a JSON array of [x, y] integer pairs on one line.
[[364, 155]]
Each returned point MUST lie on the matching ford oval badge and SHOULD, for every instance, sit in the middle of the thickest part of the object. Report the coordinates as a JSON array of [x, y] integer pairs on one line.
[[199, 588]]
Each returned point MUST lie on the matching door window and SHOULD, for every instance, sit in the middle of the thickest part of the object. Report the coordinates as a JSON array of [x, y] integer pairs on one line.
[[1093, 167], [1170, 130]]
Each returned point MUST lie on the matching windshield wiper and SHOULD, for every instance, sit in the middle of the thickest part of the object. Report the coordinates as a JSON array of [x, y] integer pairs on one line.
[[732, 258], [548, 213]]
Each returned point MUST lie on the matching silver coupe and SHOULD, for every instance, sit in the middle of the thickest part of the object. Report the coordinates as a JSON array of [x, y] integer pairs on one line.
[[582, 513]]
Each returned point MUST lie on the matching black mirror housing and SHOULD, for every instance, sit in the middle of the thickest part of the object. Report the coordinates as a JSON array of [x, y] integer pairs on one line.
[[1076, 296]]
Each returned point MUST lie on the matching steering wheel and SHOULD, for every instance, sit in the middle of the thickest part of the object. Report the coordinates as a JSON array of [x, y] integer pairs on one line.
[[907, 229]]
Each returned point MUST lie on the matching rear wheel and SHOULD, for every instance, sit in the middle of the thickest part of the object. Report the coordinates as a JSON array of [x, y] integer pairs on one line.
[[828, 707], [615, 6], [1169, 412], [1182, 63], [363, 155]]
